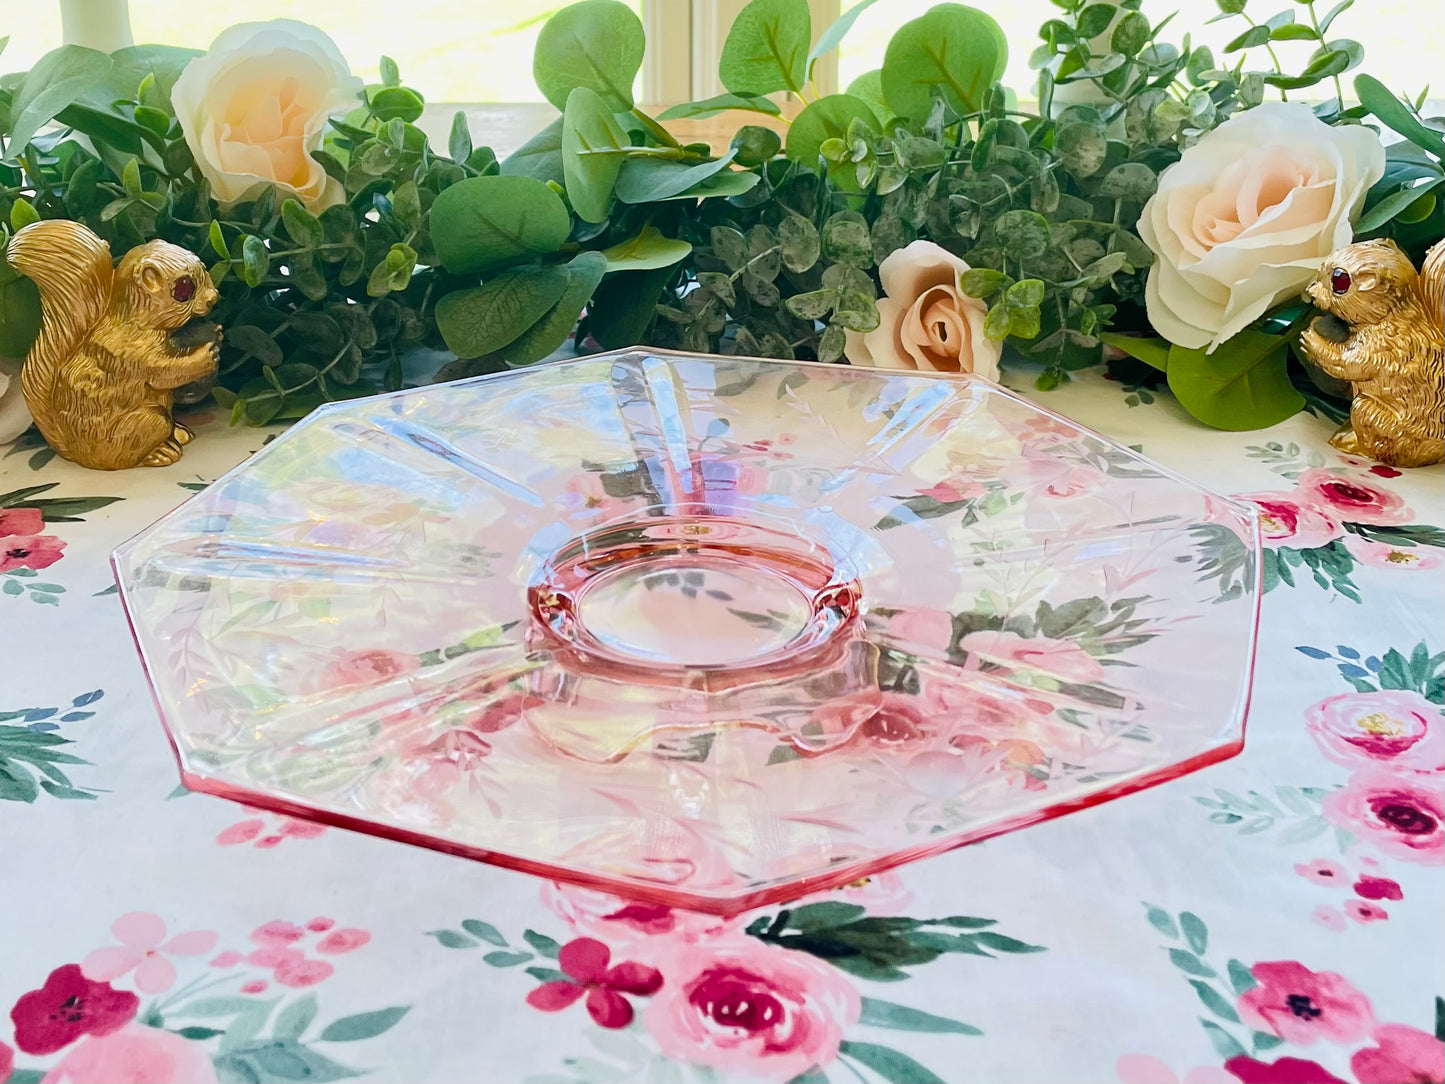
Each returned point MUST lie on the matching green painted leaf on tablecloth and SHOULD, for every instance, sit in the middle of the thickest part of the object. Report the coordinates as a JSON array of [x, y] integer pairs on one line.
[[452, 939], [1194, 931], [484, 930], [293, 1020], [1225, 1044], [277, 1060], [892, 1065], [364, 1025], [543, 944], [885, 1014]]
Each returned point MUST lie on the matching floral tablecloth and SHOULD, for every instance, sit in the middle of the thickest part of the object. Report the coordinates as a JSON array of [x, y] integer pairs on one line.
[[1274, 918]]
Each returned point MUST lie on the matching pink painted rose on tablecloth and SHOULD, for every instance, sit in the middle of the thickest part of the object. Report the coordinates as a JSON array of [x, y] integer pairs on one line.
[[21, 543], [1351, 497], [1369, 887], [1283, 1071], [1303, 1006], [68, 1006], [1145, 1069], [1385, 555], [1402, 1055], [1322, 871], [954, 490], [639, 929], [7, 1061], [1040, 475], [135, 1055], [1365, 911], [143, 948], [1285, 521], [587, 963], [921, 627], [751, 1009], [1059, 658], [254, 830], [348, 669], [1403, 814], [1396, 727]]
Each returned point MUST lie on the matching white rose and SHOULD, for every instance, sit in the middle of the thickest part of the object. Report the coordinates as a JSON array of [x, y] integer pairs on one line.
[[255, 106], [1243, 219], [926, 322], [14, 415]]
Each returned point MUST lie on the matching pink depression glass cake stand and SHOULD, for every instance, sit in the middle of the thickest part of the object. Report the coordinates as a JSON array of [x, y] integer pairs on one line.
[[700, 631]]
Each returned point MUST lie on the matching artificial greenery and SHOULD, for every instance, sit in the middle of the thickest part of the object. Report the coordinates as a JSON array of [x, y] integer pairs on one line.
[[770, 248]]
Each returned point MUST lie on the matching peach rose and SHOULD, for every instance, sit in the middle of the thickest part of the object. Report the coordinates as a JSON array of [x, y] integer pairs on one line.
[[926, 322], [1243, 219], [256, 105]]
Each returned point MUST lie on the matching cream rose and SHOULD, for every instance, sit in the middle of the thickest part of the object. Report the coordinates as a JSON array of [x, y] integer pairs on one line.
[[1243, 219], [926, 322], [255, 106]]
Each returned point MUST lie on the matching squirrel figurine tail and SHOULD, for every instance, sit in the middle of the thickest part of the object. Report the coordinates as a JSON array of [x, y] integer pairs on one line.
[[1383, 330], [99, 378]]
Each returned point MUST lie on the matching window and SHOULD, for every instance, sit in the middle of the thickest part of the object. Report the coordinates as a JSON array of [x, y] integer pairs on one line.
[[1404, 40]]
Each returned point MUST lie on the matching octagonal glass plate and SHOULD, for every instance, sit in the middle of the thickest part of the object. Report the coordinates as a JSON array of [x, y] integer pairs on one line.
[[701, 631]]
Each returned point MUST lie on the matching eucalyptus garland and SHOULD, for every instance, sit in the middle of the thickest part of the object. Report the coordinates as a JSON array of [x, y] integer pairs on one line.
[[770, 248]]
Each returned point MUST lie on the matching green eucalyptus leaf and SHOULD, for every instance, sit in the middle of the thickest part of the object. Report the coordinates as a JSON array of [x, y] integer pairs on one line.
[[596, 45], [798, 243], [551, 331], [485, 318], [826, 118], [753, 145], [1393, 112], [648, 250], [483, 222], [58, 78], [728, 182], [868, 87], [624, 306], [19, 312], [1023, 234], [1133, 181], [708, 107], [766, 48], [644, 180], [959, 50], [539, 158], [593, 150], [397, 102], [1130, 34], [303, 227], [459, 141], [836, 31], [255, 260], [1151, 350], [846, 239], [730, 246], [1243, 384], [813, 305], [984, 281]]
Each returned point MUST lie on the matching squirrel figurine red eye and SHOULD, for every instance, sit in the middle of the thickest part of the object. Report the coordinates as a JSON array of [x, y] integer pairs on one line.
[[1383, 330], [100, 377]]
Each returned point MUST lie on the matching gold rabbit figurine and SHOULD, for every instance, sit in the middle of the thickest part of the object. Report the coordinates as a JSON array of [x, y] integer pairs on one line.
[[114, 343], [1383, 329]]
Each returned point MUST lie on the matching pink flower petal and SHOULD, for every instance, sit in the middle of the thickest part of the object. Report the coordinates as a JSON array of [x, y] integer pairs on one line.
[[191, 943], [585, 959], [277, 932], [301, 829], [1208, 1074], [320, 925], [631, 977], [228, 958], [554, 996], [608, 1008], [302, 973], [105, 964], [344, 940], [255, 986], [155, 974], [241, 832], [139, 929]]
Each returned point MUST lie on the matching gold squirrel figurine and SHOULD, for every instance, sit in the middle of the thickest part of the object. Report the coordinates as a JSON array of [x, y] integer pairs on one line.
[[113, 343], [1383, 329]]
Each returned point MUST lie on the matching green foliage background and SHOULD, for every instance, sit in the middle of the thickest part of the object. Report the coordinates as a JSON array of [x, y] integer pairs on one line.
[[770, 248]]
